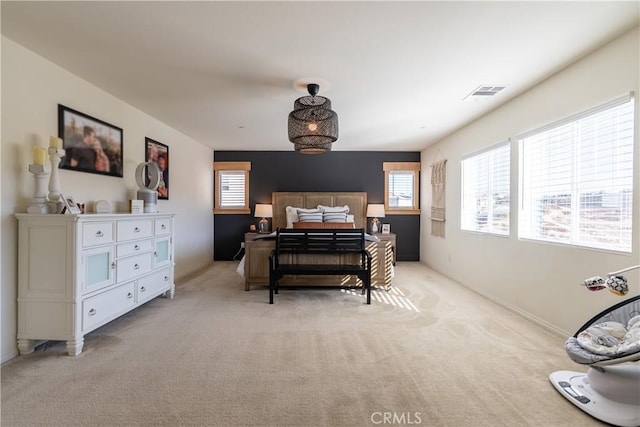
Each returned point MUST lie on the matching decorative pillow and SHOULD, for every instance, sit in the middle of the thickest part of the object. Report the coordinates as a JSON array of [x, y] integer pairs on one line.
[[292, 215], [334, 217], [344, 208], [310, 215], [323, 225], [334, 214]]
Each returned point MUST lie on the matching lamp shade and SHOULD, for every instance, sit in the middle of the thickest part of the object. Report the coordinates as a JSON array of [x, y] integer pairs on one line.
[[375, 211], [263, 211], [313, 125]]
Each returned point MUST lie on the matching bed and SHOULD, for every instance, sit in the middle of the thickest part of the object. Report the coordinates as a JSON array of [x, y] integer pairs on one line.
[[255, 265]]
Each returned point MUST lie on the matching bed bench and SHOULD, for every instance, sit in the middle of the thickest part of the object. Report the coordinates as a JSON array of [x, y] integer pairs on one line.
[[344, 243]]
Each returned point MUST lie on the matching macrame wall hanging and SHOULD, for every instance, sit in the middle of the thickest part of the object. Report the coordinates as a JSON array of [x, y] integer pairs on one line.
[[438, 207]]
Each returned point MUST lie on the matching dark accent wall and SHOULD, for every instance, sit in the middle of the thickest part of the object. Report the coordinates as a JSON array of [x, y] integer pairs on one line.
[[334, 171]]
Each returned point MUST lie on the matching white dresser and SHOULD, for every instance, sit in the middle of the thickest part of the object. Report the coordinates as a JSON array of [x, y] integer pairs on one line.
[[78, 272]]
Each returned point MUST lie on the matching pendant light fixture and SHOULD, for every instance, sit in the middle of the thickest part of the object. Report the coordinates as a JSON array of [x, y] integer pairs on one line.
[[313, 126]]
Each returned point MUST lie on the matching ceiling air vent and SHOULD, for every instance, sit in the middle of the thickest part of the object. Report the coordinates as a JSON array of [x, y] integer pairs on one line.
[[484, 91]]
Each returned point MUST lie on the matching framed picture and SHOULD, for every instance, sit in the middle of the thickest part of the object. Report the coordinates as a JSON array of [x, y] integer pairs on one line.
[[158, 153], [90, 144], [386, 228], [70, 205]]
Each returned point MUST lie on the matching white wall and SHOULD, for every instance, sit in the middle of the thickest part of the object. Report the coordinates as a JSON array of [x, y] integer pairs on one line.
[[539, 280], [32, 87]]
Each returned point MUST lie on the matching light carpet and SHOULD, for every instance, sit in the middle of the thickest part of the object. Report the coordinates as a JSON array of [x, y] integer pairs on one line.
[[216, 355]]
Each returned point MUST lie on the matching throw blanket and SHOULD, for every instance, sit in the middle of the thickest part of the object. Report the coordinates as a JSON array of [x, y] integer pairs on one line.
[[438, 208]]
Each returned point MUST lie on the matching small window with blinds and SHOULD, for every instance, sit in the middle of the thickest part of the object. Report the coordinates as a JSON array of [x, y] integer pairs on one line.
[[486, 191], [231, 186], [577, 179], [401, 187]]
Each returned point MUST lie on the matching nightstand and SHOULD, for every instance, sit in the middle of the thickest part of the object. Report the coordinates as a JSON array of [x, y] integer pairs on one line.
[[388, 237], [256, 262]]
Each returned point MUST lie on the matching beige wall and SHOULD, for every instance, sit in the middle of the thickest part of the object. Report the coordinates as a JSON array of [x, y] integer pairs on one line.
[[541, 281], [32, 87]]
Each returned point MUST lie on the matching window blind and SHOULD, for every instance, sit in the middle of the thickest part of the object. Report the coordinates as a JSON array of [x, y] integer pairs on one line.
[[232, 189], [486, 191], [577, 179], [401, 188]]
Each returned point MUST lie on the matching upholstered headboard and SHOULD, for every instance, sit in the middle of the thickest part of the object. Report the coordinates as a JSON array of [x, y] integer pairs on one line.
[[357, 202]]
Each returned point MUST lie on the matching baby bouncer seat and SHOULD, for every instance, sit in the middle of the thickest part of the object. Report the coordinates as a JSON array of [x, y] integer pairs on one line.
[[608, 343]]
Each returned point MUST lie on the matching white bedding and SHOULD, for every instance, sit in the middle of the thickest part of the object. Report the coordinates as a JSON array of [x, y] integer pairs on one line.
[[240, 268]]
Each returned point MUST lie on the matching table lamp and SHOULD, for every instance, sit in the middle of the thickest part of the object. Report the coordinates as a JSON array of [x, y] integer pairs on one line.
[[263, 211], [375, 211]]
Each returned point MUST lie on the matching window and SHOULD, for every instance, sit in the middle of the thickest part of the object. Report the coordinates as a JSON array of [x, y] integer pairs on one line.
[[231, 186], [485, 191], [401, 187], [577, 179]]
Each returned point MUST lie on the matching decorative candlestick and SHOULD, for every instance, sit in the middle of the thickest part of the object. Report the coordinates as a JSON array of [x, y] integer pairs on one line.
[[39, 201], [55, 154]]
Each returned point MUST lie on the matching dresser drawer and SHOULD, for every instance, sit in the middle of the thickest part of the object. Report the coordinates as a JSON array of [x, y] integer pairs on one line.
[[162, 226], [97, 233], [134, 229], [101, 308], [130, 267], [132, 248], [153, 285]]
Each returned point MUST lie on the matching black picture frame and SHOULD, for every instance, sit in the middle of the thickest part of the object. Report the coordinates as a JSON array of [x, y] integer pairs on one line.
[[158, 153], [71, 207], [101, 154]]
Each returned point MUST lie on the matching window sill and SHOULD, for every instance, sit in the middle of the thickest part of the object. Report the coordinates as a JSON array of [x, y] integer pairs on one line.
[[388, 211], [219, 211]]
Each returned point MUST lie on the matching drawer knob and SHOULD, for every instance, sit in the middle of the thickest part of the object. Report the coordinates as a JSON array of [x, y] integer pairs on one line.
[[129, 295], [136, 267], [162, 226], [166, 278], [155, 254], [92, 312], [136, 248], [99, 233], [136, 230], [113, 265], [143, 289]]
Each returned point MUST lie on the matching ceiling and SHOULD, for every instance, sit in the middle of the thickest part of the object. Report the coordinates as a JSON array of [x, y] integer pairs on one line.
[[397, 73]]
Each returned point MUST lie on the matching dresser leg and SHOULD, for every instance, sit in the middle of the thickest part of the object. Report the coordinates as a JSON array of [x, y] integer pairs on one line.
[[26, 346], [74, 347], [171, 292]]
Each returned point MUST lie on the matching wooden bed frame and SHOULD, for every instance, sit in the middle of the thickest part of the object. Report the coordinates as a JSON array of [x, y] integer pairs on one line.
[[256, 266]]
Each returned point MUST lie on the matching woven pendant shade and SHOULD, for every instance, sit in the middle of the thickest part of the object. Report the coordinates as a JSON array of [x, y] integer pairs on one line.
[[313, 126]]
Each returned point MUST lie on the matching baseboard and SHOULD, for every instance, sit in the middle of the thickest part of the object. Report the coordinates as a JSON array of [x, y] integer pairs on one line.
[[514, 309], [9, 356], [535, 319], [191, 275]]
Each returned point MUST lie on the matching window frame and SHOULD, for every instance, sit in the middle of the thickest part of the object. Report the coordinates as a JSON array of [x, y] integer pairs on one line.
[[574, 236], [414, 167], [235, 167], [504, 144]]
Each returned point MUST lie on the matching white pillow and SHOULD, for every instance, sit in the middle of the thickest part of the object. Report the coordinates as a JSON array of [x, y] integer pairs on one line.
[[292, 215]]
